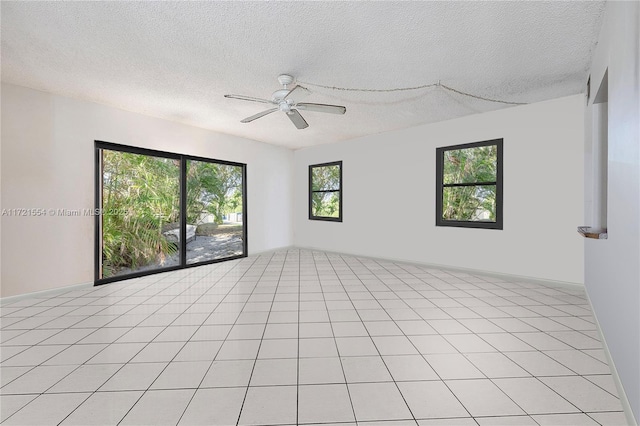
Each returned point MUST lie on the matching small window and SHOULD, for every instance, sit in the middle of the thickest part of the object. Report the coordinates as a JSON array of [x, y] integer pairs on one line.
[[469, 185], [325, 191]]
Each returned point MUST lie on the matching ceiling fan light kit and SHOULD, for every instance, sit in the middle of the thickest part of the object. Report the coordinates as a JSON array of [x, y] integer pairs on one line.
[[285, 100]]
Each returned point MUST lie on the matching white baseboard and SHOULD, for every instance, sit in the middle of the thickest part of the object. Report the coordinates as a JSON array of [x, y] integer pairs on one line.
[[631, 421], [269, 251], [508, 277], [54, 291], [42, 293], [11, 299]]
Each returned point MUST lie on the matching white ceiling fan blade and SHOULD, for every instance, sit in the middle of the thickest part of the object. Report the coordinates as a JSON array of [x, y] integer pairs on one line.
[[297, 92], [297, 119], [258, 115], [248, 98], [333, 109]]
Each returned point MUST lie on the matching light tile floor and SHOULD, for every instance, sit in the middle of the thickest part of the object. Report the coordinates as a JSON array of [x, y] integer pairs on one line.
[[306, 337]]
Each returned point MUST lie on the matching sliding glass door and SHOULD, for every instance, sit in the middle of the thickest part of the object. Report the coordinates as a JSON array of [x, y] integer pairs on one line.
[[215, 210], [158, 211]]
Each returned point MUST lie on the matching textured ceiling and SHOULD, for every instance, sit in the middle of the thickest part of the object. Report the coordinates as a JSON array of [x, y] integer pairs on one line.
[[176, 60]]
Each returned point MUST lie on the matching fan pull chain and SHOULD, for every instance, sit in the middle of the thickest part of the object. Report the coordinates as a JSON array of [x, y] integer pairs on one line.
[[403, 89]]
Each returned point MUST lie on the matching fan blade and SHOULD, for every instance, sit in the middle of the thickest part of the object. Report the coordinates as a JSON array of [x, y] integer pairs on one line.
[[298, 91], [248, 98], [333, 109], [297, 119], [258, 115]]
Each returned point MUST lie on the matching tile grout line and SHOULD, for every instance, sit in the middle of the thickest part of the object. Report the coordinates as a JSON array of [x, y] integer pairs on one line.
[[263, 333], [64, 377], [198, 328], [137, 353], [442, 380], [382, 358], [486, 378], [533, 376], [371, 276], [335, 342]]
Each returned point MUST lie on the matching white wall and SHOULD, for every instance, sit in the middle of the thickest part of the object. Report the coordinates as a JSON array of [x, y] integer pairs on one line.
[[389, 194], [0, 196], [612, 266], [48, 162]]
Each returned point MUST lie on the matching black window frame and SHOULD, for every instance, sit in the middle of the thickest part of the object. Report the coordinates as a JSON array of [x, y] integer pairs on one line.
[[440, 221], [311, 192], [182, 158]]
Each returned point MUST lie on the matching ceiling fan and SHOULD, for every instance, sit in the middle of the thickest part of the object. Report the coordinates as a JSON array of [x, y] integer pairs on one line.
[[284, 100]]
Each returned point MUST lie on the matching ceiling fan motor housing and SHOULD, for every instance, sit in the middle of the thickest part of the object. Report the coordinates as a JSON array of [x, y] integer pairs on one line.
[[279, 95]]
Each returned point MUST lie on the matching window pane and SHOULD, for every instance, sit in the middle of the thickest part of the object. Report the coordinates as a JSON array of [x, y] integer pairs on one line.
[[469, 203], [214, 211], [325, 178], [141, 210], [325, 204], [471, 165]]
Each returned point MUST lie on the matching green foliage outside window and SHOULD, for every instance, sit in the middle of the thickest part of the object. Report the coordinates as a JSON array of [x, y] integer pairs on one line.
[[325, 191], [140, 194], [214, 189], [141, 199], [326, 204], [470, 166]]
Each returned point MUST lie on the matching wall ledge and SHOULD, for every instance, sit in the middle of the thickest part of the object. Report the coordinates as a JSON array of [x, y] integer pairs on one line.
[[596, 234]]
